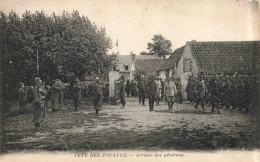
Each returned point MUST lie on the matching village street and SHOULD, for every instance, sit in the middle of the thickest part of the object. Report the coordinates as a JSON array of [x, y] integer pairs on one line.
[[134, 127]]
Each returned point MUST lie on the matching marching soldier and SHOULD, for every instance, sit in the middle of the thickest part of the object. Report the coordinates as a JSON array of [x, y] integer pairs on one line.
[[152, 92], [22, 97], [122, 93], [77, 94], [170, 93], [201, 89], [141, 85], [98, 95], [214, 94], [133, 89], [55, 89], [128, 87], [38, 106], [158, 90]]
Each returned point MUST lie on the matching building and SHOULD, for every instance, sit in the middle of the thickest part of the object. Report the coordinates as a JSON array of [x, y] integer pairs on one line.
[[127, 64], [214, 58], [170, 65], [149, 66]]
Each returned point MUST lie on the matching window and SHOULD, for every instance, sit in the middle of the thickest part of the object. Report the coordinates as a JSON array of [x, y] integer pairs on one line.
[[126, 67], [187, 65]]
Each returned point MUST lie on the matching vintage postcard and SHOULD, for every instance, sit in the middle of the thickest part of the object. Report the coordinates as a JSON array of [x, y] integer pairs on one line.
[[129, 80]]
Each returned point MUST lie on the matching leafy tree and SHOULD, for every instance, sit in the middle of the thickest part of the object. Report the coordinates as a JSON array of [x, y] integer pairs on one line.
[[160, 46], [145, 53], [68, 46]]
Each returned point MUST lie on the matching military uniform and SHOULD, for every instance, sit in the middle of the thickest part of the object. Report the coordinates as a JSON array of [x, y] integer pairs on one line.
[[133, 89], [122, 93], [158, 91], [128, 88], [22, 98], [97, 97], [141, 85], [214, 92], [170, 92], [151, 89], [55, 95], [38, 106], [201, 89]]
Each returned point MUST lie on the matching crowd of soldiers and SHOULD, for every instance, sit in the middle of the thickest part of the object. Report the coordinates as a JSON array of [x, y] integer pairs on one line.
[[220, 91], [232, 92], [155, 89]]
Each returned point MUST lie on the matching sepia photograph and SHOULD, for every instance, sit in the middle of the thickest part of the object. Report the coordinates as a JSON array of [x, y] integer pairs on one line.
[[129, 80]]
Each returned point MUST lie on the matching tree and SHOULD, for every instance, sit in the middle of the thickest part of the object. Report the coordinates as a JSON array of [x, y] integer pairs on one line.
[[160, 46], [145, 53], [138, 73]]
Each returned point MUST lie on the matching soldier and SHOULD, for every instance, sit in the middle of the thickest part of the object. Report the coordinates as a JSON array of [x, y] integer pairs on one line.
[[22, 97], [201, 89], [214, 92], [179, 90], [122, 92], [225, 92], [141, 85], [162, 90], [239, 93], [232, 92], [152, 92], [247, 93], [55, 89], [77, 94], [158, 90], [170, 92], [98, 96], [128, 87], [133, 89], [38, 106]]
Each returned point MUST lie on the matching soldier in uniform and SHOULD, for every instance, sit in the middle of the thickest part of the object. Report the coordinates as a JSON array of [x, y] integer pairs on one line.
[[122, 93], [77, 94], [128, 87], [158, 90], [22, 97], [201, 89], [55, 89], [225, 91], [152, 92], [170, 93], [214, 93], [247, 93], [98, 95], [38, 105], [141, 85], [162, 90], [188, 89], [133, 89]]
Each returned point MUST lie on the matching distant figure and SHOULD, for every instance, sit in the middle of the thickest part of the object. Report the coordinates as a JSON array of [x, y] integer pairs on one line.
[[98, 97], [122, 93], [152, 92], [214, 93], [158, 90], [128, 87], [77, 94], [170, 93], [201, 91], [55, 89], [38, 106], [141, 85], [133, 89], [22, 97], [162, 90]]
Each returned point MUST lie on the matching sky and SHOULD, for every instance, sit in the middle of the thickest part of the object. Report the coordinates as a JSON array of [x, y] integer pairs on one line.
[[135, 22]]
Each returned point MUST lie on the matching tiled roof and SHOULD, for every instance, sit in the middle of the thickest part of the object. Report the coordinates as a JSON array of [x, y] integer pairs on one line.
[[228, 57], [149, 66], [147, 57], [174, 58], [124, 59]]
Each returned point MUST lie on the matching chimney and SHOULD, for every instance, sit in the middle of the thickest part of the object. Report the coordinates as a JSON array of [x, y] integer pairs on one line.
[[132, 56]]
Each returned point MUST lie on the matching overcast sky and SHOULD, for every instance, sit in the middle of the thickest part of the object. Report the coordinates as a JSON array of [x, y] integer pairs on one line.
[[135, 22]]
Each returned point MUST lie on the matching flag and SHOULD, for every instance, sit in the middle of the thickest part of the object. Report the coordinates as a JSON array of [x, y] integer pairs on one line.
[[117, 42]]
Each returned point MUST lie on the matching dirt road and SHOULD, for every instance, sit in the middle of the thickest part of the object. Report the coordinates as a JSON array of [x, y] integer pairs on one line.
[[134, 127]]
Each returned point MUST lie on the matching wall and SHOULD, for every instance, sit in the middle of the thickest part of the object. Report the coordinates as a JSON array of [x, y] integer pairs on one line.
[[184, 76]]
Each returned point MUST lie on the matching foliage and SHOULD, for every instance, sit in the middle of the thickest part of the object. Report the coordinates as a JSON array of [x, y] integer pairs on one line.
[[138, 73], [145, 53], [160, 46], [68, 46]]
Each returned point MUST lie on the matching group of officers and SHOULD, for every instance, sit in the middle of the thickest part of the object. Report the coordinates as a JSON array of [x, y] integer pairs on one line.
[[236, 91]]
